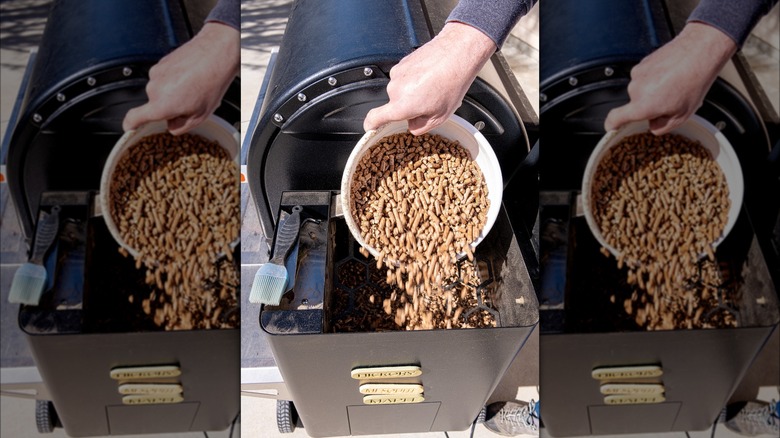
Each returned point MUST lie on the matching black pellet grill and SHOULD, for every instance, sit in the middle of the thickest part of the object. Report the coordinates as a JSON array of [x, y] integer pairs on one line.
[[90, 68], [331, 68], [588, 54]]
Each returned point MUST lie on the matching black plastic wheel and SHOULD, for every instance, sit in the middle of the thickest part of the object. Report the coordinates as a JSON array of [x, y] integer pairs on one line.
[[45, 416], [286, 416]]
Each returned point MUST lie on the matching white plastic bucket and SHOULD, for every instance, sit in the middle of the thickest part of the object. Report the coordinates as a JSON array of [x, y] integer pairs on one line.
[[213, 128], [455, 128], [696, 128]]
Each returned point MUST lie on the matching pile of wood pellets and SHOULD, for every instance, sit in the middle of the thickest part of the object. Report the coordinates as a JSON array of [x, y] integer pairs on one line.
[[370, 304], [420, 201], [662, 201], [175, 200]]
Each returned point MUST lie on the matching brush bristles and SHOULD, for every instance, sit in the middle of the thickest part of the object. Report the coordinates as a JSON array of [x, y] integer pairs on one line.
[[269, 284], [27, 285]]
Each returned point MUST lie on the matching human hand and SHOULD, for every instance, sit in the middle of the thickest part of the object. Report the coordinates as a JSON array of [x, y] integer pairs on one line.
[[429, 84], [187, 85], [669, 85]]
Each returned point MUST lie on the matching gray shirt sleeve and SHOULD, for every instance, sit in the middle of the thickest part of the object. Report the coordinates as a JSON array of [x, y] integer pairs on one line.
[[227, 12], [495, 18], [735, 19]]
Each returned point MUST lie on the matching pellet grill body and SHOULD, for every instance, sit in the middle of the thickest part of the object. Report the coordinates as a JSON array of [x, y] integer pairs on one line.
[[460, 367], [91, 67], [589, 53], [331, 69]]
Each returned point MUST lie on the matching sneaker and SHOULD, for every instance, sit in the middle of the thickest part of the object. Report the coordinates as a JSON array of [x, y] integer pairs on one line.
[[754, 418], [512, 418]]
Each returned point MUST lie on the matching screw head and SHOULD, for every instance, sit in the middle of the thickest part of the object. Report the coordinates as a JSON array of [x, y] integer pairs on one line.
[[127, 71], [37, 118], [332, 81], [278, 118], [368, 71], [60, 97], [573, 81], [608, 71], [302, 97], [91, 81], [480, 125], [542, 97], [305, 301]]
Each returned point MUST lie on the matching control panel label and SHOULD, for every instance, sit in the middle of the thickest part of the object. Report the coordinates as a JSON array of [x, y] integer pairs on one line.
[[145, 372], [632, 388], [391, 388], [150, 388], [633, 399], [393, 372], [377, 399], [627, 372], [151, 399]]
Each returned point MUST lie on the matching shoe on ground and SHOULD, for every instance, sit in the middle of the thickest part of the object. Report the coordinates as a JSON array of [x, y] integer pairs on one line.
[[513, 418], [754, 418]]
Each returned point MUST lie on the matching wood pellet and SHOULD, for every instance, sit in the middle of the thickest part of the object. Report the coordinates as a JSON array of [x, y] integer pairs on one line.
[[662, 201], [374, 305], [419, 201], [175, 199]]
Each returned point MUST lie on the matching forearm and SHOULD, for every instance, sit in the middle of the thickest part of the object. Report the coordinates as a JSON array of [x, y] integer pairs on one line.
[[472, 46], [495, 19], [669, 85], [227, 12], [735, 19]]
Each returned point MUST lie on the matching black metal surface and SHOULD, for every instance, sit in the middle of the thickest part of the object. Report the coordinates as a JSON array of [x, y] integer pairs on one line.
[[461, 367], [577, 37], [92, 66], [85, 326], [701, 368], [588, 54], [302, 143], [583, 329]]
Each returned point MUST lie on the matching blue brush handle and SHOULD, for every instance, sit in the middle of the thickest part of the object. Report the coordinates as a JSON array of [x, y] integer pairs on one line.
[[45, 233], [286, 236]]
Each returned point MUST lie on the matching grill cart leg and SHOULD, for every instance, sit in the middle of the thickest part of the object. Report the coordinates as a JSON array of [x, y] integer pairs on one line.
[[45, 416], [482, 415], [286, 416]]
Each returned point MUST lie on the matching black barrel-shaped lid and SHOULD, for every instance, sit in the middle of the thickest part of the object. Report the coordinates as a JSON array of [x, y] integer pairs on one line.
[[91, 67], [324, 37], [580, 34]]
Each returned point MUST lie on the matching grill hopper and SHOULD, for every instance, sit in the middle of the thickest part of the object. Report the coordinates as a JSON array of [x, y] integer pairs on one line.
[[460, 367], [79, 86]]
